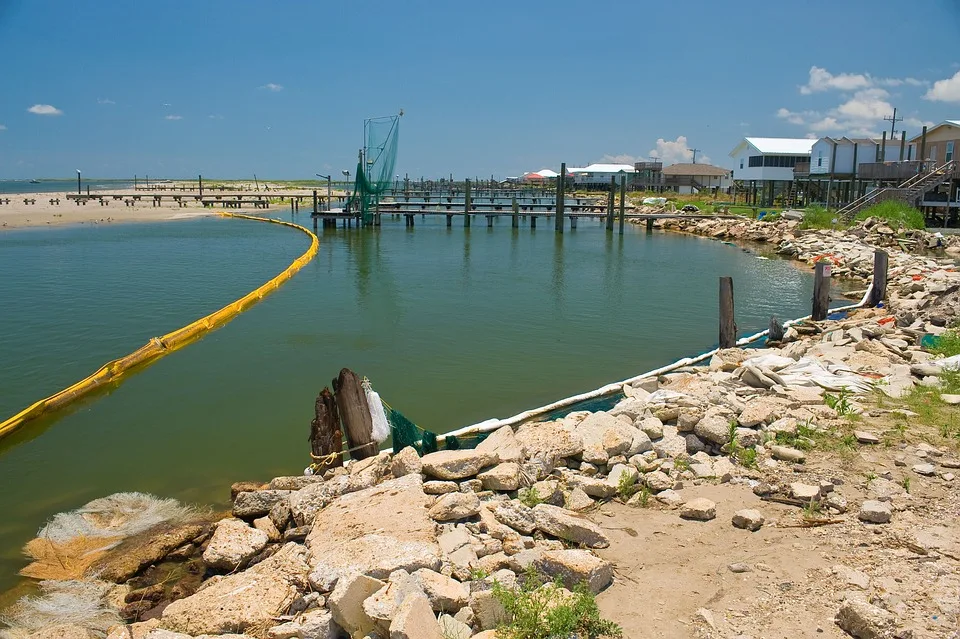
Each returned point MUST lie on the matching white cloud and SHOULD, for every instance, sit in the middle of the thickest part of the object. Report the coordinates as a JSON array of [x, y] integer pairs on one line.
[[173, 117], [676, 151], [216, 116], [270, 86], [623, 158], [105, 101], [823, 80], [44, 109], [945, 90], [796, 118], [825, 124], [869, 104]]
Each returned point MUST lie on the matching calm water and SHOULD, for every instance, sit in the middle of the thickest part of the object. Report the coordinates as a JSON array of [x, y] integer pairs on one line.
[[452, 327], [55, 185]]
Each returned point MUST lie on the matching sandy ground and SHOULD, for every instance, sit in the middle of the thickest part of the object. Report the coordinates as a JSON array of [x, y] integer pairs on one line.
[[668, 570], [17, 214]]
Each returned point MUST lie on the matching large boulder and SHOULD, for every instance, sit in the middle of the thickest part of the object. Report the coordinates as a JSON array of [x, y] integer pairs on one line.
[[612, 434], [574, 527], [314, 624], [453, 506], [445, 594], [406, 462], [761, 410], [382, 606], [515, 515], [415, 620], [457, 464], [346, 602], [714, 427], [549, 440], [257, 503], [504, 444], [576, 566], [377, 530], [245, 601], [505, 477], [233, 544]]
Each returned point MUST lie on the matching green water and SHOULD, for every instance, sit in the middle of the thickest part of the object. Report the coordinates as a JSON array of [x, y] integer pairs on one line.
[[453, 326]]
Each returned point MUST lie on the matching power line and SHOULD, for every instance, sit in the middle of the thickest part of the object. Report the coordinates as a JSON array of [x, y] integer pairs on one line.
[[893, 119]]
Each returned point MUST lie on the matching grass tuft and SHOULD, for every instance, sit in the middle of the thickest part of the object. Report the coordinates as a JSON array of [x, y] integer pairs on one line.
[[895, 214]]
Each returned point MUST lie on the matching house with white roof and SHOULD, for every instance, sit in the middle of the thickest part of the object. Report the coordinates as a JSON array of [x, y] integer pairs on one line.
[[764, 166], [598, 175]]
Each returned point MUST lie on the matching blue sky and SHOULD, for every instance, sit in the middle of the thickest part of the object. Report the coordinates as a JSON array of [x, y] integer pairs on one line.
[[233, 88]]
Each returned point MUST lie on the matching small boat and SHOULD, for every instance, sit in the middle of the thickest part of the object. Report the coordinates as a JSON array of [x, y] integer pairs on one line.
[[34, 181]]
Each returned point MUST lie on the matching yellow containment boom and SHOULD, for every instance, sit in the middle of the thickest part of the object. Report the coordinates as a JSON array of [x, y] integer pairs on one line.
[[113, 372]]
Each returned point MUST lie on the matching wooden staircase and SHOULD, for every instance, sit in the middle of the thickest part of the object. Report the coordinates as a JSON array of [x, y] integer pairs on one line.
[[908, 192]]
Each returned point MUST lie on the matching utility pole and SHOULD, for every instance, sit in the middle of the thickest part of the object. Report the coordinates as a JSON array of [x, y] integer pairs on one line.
[[695, 151], [893, 119]]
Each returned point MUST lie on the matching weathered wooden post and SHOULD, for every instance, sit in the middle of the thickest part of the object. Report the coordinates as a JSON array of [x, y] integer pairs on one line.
[[613, 192], [623, 200], [200, 182], [315, 209], [923, 146], [649, 225], [515, 219], [355, 415], [558, 221], [466, 203], [878, 289], [728, 327], [774, 330], [326, 436], [821, 290]]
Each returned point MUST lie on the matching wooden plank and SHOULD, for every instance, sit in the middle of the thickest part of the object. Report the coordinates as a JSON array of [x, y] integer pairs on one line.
[[355, 415], [728, 326]]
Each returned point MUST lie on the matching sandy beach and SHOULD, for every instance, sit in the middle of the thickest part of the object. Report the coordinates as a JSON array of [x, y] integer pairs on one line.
[[54, 209]]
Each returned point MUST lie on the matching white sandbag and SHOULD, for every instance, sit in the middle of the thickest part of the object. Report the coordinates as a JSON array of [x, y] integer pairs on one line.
[[381, 427], [768, 360]]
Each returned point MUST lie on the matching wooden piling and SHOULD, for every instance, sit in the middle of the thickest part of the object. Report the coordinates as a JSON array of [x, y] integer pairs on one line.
[[326, 436], [649, 225], [613, 192], [449, 220], [821, 290], [200, 184], [623, 201], [878, 290], [466, 203], [573, 222], [515, 207], [315, 203], [728, 326], [490, 221], [923, 147], [355, 415], [558, 221], [533, 222]]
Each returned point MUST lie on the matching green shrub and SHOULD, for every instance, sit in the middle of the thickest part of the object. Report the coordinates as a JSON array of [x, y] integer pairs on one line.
[[947, 344], [626, 486], [538, 610], [895, 214], [529, 497], [817, 217]]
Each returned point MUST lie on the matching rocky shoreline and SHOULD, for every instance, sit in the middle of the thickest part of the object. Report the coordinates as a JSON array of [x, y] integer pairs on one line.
[[409, 546]]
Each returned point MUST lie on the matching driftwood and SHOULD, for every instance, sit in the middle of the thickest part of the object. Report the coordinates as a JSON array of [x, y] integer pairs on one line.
[[326, 435], [355, 415]]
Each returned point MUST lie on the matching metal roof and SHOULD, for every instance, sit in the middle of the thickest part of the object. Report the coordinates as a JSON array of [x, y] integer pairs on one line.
[[604, 168], [782, 146], [682, 168]]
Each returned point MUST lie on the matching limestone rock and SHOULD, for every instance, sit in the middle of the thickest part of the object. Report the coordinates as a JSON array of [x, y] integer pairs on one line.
[[504, 444], [576, 566], [761, 410], [415, 620], [748, 519], [599, 488], [253, 504], [406, 462], [440, 487], [866, 437], [452, 628], [804, 492], [453, 506], [314, 624], [561, 523], [233, 543], [622, 472], [548, 491], [377, 530], [671, 444], [875, 512], [487, 609], [445, 594], [651, 426], [457, 464], [549, 439], [346, 602], [658, 480], [66, 631], [516, 515], [383, 605], [864, 620], [266, 525], [248, 599], [713, 428], [670, 498], [785, 453], [578, 500], [505, 477], [699, 509]]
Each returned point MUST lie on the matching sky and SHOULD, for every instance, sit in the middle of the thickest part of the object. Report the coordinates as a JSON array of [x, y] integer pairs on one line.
[[233, 88]]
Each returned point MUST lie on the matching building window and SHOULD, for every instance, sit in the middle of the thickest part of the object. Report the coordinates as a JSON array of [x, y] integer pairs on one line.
[[933, 153], [741, 163], [949, 152], [819, 158], [756, 160]]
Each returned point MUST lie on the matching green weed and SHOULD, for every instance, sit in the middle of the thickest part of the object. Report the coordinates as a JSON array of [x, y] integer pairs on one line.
[[839, 402], [529, 497], [905, 482], [543, 610], [817, 217], [626, 486], [895, 214], [948, 345]]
